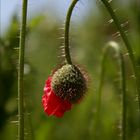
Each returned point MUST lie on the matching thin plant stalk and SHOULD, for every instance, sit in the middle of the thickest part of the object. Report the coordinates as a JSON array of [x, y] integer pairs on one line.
[[115, 47], [67, 27], [101, 80], [31, 131], [21, 71], [128, 46], [102, 75], [124, 98]]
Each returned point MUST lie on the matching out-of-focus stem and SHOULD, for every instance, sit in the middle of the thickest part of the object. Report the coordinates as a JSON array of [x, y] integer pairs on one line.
[[115, 47], [128, 46]]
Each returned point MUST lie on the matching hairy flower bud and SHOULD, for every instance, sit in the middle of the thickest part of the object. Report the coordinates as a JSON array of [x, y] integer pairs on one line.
[[68, 83]]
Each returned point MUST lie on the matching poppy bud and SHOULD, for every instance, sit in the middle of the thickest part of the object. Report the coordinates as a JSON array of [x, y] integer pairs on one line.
[[68, 83]]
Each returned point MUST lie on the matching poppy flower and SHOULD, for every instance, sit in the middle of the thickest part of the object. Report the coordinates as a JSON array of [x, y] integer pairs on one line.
[[64, 88], [52, 104]]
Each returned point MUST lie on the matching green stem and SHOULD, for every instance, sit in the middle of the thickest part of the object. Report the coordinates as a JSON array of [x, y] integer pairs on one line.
[[31, 132], [101, 83], [67, 27], [124, 108], [128, 46], [21, 71], [115, 47], [97, 117]]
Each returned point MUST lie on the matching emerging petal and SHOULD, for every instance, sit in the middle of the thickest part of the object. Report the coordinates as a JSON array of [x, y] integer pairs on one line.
[[52, 104]]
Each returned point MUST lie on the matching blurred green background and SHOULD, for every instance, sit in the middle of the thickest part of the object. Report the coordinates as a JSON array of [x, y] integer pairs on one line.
[[89, 34]]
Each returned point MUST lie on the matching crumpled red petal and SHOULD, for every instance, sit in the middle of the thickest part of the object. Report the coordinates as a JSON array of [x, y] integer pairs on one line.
[[52, 104]]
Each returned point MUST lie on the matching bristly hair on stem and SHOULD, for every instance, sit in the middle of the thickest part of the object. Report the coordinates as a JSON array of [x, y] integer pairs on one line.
[[117, 50], [129, 49], [67, 27], [21, 71]]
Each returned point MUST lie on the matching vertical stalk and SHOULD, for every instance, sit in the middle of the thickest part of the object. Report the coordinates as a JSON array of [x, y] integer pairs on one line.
[[67, 27], [101, 80], [128, 46], [21, 71], [115, 47], [124, 108]]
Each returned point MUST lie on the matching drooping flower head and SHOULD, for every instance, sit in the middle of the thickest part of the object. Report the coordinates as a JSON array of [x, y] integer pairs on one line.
[[64, 88]]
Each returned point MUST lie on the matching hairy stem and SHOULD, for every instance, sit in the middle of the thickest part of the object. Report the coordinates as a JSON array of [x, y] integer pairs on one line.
[[124, 108], [128, 46], [67, 27], [28, 112], [115, 47], [21, 71]]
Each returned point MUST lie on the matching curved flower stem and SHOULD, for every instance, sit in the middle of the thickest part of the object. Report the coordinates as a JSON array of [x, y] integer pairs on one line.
[[67, 27], [128, 46], [115, 47], [21, 71]]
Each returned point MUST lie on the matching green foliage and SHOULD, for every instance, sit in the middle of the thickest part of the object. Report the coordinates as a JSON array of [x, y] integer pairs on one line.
[[8, 72]]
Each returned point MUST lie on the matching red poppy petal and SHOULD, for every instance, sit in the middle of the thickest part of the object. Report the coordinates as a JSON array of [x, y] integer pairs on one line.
[[52, 104], [48, 81], [64, 106]]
